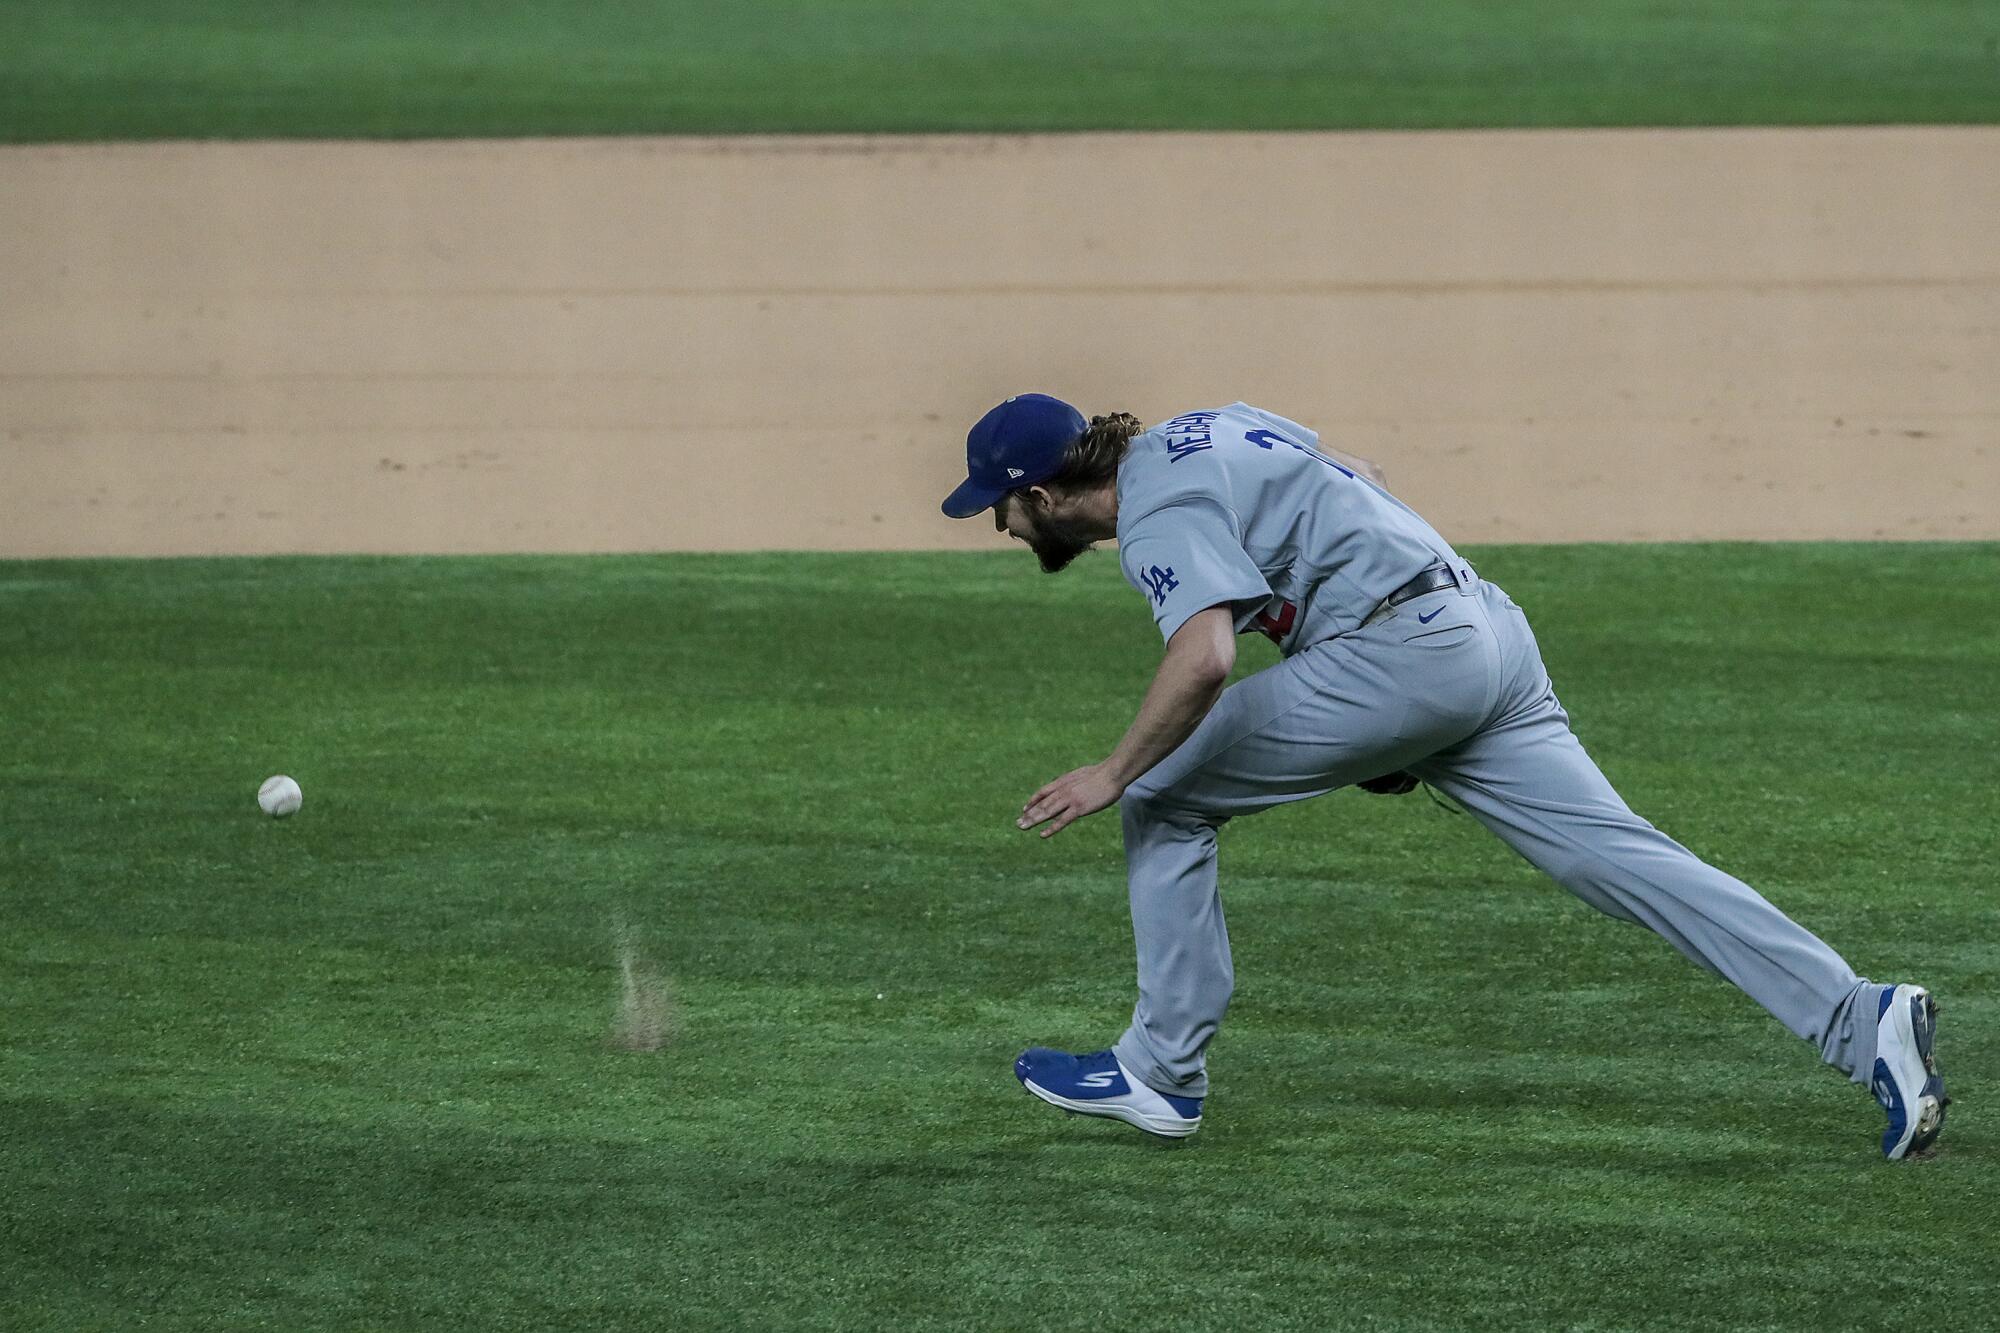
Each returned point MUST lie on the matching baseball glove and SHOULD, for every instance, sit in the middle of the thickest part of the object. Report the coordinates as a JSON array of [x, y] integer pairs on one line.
[[1390, 784]]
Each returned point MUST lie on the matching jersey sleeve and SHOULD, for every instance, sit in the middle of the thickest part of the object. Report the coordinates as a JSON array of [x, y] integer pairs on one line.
[[1187, 557]]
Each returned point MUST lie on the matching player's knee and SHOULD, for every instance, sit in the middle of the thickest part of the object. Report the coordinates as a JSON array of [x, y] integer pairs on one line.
[[1147, 807], [1582, 873], [1141, 803], [1572, 872]]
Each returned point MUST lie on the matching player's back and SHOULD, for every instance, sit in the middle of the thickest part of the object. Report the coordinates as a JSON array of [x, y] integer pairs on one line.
[[1331, 545]]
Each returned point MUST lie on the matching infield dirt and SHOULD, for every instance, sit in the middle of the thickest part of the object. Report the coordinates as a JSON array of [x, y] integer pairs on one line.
[[654, 344]]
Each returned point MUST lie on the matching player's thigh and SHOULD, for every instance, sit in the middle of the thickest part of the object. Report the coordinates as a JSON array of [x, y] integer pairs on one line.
[[1237, 734], [1334, 715], [1528, 760], [1529, 780]]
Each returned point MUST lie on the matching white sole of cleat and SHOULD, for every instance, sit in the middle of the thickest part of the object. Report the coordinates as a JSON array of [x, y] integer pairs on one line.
[[1931, 1106], [1159, 1126], [1916, 1025]]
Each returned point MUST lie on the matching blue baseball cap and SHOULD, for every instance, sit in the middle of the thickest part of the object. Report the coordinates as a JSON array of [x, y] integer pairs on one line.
[[1019, 443]]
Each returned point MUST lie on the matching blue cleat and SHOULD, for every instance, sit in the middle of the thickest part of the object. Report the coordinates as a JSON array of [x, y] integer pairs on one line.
[[1906, 1079], [1096, 1084]]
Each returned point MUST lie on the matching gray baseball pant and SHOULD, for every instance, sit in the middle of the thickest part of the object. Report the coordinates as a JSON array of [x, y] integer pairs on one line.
[[1464, 702]]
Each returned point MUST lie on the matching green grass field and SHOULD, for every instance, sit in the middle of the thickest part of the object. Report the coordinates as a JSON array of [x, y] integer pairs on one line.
[[140, 69], [352, 1069]]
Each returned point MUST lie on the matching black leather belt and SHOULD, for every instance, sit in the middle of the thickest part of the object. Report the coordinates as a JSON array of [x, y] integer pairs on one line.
[[1434, 579]]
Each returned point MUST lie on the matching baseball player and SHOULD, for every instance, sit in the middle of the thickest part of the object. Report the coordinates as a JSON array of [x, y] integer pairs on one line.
[[1400, 665]]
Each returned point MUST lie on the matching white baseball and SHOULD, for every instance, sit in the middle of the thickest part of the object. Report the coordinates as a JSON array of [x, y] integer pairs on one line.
[[279, 796]]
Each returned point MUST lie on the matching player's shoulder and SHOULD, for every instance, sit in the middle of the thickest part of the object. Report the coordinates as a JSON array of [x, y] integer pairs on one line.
[[1191, 426], [1187, 458], [1154, 452], [1256, 418], [1157, 499], [1155, 474], [1198, 431]]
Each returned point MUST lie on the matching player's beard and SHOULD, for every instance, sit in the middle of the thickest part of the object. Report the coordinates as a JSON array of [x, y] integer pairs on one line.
[[1058, 541]]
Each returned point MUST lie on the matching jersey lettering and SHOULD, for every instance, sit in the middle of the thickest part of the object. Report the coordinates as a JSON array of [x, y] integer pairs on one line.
[[1189, 433], [1264, 439]]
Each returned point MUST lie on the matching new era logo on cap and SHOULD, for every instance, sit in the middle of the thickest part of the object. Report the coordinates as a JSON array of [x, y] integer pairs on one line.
[[1016, 473]]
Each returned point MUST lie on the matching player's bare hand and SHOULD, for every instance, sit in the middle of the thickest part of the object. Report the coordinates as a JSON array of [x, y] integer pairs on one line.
[[1079, 792]]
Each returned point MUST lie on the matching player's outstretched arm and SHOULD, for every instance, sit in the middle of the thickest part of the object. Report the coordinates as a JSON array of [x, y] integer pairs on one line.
[[1191, 678]]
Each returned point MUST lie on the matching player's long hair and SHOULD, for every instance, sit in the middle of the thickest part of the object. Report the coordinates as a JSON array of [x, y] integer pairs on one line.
[[1095, 456]]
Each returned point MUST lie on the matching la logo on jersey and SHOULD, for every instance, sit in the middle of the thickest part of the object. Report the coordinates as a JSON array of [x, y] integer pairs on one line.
[[1160, 582]]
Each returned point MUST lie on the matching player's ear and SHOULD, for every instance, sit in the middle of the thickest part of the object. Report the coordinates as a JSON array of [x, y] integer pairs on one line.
[[1041, 498]]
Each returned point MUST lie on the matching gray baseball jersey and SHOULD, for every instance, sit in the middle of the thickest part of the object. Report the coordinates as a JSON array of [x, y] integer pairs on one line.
[[1238, 505]]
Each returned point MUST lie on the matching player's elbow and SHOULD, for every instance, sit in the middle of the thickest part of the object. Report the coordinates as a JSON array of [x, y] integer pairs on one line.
[[1221, 659], [1206, 646]]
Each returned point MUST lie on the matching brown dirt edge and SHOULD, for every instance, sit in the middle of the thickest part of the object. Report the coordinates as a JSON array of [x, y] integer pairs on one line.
[[684, 344]]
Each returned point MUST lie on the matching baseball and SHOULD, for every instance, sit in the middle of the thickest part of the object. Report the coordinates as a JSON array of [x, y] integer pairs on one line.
[[279, 796]]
